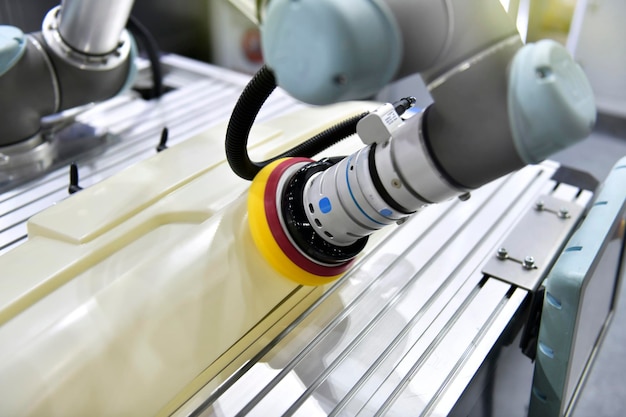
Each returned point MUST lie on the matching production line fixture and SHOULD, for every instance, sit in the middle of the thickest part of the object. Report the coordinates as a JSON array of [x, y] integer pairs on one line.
[[145, 292]]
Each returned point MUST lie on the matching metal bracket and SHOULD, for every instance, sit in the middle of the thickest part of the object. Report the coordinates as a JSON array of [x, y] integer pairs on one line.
[[525, 255]]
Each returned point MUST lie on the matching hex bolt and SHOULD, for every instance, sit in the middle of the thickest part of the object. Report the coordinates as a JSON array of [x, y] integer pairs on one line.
[[564, 213], [529, 262], [539, 205], [502, 253]]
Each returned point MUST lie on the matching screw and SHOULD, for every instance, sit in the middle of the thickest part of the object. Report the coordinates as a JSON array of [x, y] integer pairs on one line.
[[564, 213], [539, 206], [396, 183], [529, 262], [502, 253], [340, 79], [543, 72], [465, 196]]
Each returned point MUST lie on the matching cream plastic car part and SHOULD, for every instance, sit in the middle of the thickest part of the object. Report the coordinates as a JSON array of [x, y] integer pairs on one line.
[[132, 294]]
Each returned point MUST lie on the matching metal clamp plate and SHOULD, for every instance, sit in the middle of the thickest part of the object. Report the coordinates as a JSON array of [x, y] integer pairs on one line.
[[529, 250]]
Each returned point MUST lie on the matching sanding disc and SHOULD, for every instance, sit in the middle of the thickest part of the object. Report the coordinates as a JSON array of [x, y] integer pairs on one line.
[[269, 235]]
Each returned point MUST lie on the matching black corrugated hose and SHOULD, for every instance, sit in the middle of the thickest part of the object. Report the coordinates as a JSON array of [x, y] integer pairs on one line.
[[248, 106]]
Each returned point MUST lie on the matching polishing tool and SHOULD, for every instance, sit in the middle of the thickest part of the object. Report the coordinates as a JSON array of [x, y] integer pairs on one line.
[[282, 231], [497, 106]]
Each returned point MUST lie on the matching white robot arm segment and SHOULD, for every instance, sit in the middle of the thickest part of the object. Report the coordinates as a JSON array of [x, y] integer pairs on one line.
[[498, 105]]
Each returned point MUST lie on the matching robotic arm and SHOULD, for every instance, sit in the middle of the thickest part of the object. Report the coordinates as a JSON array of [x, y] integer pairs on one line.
[[83, 54], [498, 105]]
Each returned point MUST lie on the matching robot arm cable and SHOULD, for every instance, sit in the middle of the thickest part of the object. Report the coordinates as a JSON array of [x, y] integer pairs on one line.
[[248, 106], [145, 38]]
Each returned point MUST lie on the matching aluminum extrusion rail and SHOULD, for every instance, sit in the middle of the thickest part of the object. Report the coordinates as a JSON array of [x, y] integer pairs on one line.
[[406, 330]]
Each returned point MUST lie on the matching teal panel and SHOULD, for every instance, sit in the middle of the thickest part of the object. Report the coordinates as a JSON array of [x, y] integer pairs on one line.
[[556, 372]]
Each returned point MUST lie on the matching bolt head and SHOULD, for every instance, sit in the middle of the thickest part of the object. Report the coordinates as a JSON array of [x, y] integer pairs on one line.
[[564, 213], [502, 253], [539, 205], [340, 79], [529, 262]]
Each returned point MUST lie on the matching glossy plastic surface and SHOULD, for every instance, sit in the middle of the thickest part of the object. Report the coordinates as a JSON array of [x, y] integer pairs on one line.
[[132, 294]]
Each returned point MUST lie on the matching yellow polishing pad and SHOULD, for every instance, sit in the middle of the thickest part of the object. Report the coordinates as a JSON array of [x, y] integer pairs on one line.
[[269, 236]]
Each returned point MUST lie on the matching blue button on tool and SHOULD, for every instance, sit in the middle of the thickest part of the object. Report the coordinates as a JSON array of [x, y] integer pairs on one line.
[[325, 205]]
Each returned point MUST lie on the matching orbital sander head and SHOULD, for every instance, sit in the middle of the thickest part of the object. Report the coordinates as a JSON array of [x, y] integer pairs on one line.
[[280, 228]]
